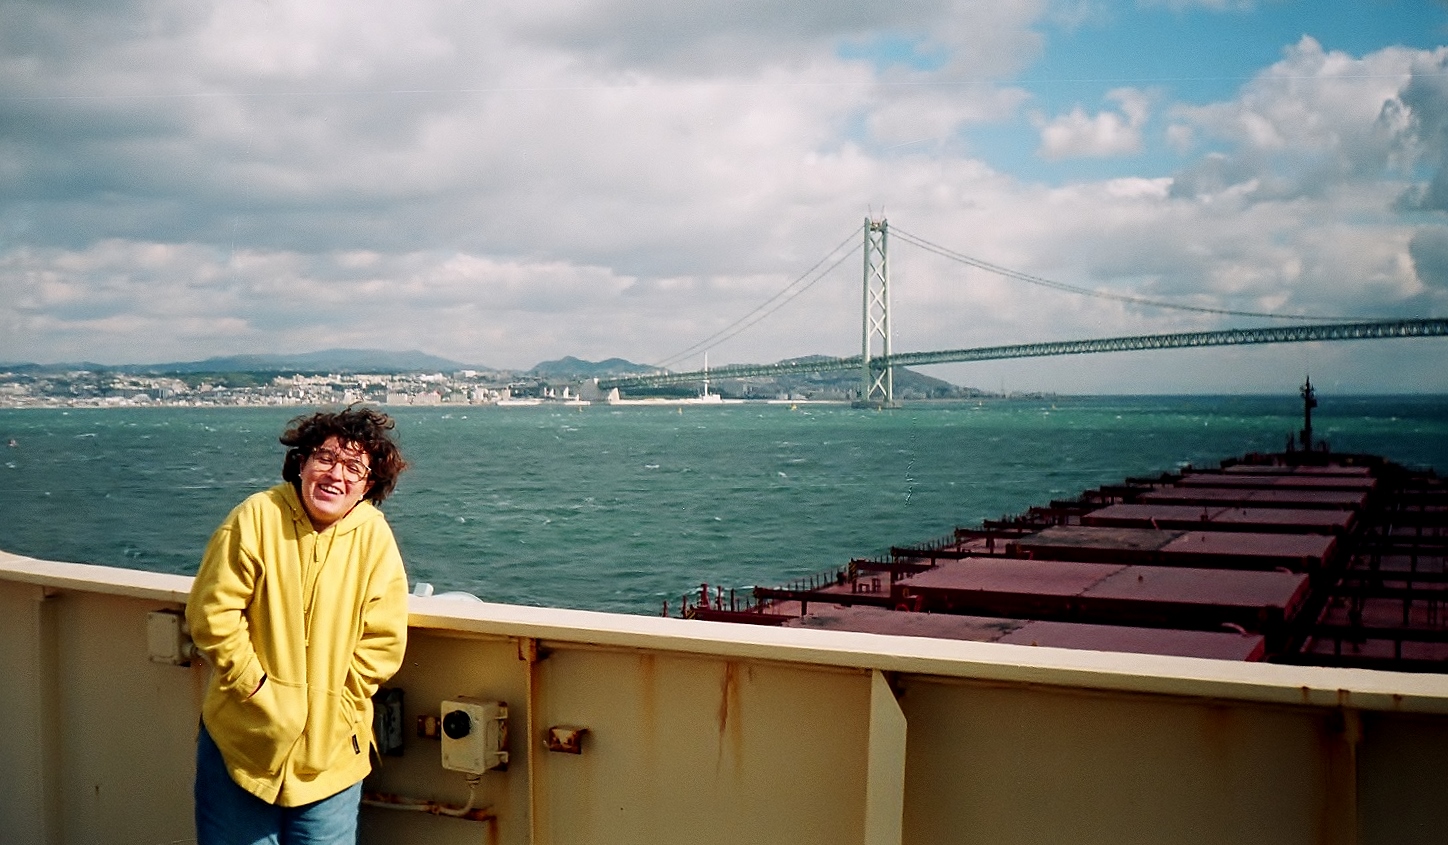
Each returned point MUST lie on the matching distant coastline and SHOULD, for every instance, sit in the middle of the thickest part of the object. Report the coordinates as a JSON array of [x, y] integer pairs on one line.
[[270, 382]]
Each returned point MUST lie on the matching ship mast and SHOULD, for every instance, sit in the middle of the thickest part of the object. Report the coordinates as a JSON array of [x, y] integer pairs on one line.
[[1309, 401]]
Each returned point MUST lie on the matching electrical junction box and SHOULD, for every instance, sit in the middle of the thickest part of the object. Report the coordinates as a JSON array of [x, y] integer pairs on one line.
[[387, 721], [166, 638], [474, 735]]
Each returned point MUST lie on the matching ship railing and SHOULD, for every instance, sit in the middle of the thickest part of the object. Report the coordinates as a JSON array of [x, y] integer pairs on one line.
[[1053, 515], [710, 602], [996, 539], [823, 596], [897, 566], [1166, 479], [1076, 507], [1019, 524], [926, 548], [1116, 493], [1349, 641], [710, 599]]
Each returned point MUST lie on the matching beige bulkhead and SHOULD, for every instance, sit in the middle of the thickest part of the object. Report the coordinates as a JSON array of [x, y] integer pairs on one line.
[[705, 732]]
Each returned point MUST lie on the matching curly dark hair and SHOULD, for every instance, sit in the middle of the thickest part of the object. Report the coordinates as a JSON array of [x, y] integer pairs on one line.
[[369, 430]]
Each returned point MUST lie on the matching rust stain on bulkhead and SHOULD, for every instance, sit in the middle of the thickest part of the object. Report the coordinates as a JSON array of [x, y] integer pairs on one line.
[[731, 729], [1338, 734], [648, 708], [648, 693], [648, 772], [729, 687]]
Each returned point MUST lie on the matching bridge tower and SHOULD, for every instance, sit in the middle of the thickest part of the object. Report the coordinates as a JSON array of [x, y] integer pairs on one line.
[[877, 385]]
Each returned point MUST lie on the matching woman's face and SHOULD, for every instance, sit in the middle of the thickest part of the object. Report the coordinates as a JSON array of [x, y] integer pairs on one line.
[[334, 479]]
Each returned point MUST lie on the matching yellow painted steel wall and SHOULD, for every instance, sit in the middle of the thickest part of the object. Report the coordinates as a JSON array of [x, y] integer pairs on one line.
[[714, 733], [97, 740]]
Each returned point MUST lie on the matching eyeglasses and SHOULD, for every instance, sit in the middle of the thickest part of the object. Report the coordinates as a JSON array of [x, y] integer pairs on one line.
[[352, 469]]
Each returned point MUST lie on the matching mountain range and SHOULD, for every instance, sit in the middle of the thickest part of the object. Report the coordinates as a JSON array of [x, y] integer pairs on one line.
[[329, 360]]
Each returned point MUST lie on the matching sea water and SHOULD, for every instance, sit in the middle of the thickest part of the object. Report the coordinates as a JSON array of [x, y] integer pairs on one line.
[[622, 508]]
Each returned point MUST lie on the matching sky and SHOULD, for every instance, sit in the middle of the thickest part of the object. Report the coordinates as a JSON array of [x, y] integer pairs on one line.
[[511, 182]]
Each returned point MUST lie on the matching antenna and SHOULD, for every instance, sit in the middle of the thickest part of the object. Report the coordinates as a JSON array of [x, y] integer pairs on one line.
[[1309, 401]]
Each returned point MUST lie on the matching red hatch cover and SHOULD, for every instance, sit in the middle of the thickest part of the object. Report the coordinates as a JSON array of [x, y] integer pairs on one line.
[[1289, 547], [1230, 518], [1212, 644], [1190, 585], [1011, 575], [1281, 482], [1340, 499], [875, 620]]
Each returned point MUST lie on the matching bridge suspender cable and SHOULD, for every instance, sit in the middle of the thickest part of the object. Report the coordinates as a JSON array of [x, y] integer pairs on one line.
[[951, 254], [774, 303]]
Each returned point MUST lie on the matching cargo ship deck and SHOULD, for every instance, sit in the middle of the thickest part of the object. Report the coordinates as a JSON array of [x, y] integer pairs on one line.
[[1310, 558]]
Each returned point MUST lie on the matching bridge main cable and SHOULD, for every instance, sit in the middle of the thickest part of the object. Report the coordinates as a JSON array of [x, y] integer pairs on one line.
[[1368, 330]]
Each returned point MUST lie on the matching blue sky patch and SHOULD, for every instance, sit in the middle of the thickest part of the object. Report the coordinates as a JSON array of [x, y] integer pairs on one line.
[[889, 50]]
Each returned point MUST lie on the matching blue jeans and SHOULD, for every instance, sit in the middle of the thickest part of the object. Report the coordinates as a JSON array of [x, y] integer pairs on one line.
[[226, 814]]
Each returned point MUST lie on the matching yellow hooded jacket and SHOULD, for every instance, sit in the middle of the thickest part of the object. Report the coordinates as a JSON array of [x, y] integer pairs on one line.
[[322, 617]]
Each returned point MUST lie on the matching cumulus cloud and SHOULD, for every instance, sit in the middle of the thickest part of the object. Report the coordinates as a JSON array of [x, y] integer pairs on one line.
[[512, 182], [1106, 133], [1429, 251], [710, 37], [1309, 122], [1419, 116], [935, 118]]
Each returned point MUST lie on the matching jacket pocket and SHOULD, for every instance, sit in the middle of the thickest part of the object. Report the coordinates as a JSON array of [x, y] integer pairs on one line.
[[332, 734], [257, 733]]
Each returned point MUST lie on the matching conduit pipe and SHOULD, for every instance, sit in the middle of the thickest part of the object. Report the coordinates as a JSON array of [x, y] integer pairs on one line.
[[390, 801]]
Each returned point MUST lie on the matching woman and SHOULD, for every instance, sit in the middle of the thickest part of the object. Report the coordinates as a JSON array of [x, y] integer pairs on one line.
[[300, 607]]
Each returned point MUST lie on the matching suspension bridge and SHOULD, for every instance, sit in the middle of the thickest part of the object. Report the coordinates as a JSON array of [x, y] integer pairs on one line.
[[877, 360]]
